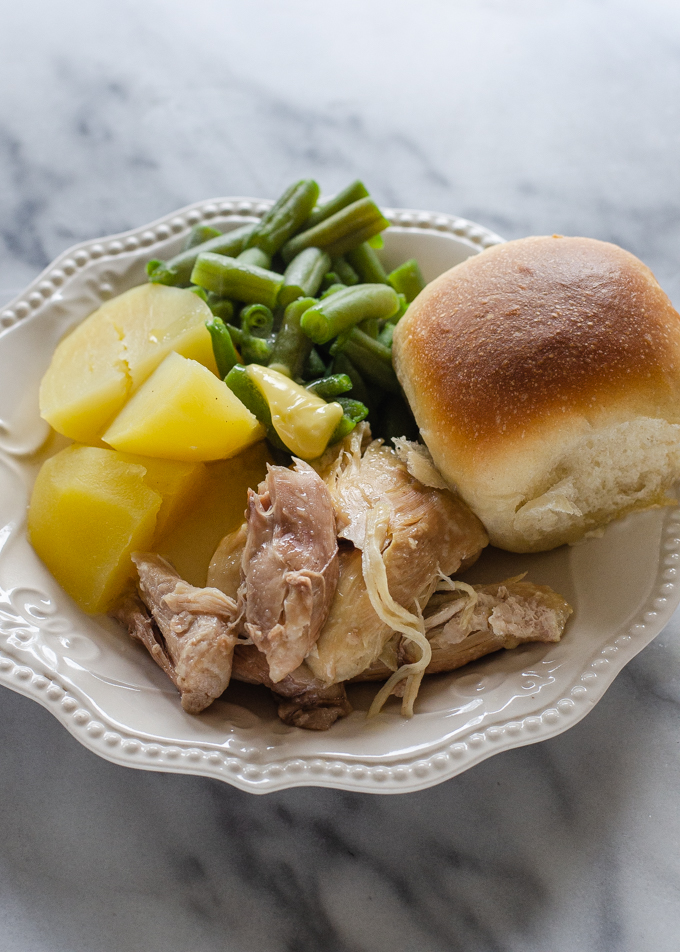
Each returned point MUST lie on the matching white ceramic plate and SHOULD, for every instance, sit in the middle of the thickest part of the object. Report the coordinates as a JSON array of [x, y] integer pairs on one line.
[[111, 696]]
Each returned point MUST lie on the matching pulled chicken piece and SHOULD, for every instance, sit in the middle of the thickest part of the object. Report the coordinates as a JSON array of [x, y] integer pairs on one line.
[[308, 703], [462, 627], [430, 531], [289, 565], [197, 630]]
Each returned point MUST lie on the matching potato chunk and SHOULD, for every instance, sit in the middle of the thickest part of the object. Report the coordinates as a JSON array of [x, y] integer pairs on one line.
[[109, 355], [177, 483], [89, 510], [184, 412]]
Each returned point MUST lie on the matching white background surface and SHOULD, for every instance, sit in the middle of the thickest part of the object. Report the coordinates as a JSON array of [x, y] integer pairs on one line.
[[529, 117]]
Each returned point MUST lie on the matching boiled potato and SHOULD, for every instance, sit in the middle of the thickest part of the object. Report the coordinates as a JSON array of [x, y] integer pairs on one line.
[[92, 507], [218, 509], [176, 482], [89, 510], [109, 355], [184, 412]]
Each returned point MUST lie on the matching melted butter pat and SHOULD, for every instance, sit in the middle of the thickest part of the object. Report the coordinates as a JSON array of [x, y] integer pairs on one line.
[[304, 421]]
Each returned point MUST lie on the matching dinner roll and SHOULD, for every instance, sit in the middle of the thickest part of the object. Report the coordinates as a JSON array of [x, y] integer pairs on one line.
[[544, 375]]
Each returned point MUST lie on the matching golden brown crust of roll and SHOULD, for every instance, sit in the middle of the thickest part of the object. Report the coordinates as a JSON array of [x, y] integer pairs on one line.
[[515, 354]]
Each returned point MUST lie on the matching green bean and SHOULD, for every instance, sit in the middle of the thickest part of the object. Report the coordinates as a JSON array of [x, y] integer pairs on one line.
[[237, 335], [370, 326], [221, 307], [328, 388], [331, 279], [345, 271], [343, 365], [178, 270], [201, 234], [407, 279], [353, 412], [386, 334], [199, 292], [354, 191], [230, 278], [333, 289], [255, 350], [225, 353], [346, 308], [377, 242], [341, 232], [367, 264], [314, 366], [303, 276], [292, 347], [244, 387], [257, 320], [255, 256], [403, 308], [373, 359], [286, 217]]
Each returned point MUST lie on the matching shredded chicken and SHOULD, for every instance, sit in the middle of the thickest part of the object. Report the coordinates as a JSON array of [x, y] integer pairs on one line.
[[339, 572], [428, 531], [289, 565], [308, 702], [224, 571], [504, 615], [196, 630]]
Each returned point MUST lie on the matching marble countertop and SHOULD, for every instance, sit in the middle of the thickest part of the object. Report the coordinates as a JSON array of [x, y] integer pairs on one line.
[[528, 117]]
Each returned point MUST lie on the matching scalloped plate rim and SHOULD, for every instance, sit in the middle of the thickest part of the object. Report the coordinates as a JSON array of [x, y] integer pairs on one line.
[[442, 760]]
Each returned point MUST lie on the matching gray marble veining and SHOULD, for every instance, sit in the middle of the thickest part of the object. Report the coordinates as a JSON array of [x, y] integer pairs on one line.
[[528, 117]]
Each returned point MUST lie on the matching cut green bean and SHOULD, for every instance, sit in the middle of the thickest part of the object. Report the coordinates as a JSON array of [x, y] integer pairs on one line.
[[354, 411], [221, 307], [314, 365], [345, 271], [341, 232], [348, 307], [286, 217], [177, 271], [386, 334], [407, 279], [225, 353], [333, 289], [377, 242], [292, 347], [201, 234], [354, 191], [328, 388], [257, 320], [372, 359], [330, 279], [199, 292], [303, 276], [244, 387], [367, 264], [403, 308], [255, 350], [371, 326], [255, 256], [343, 365], [231, 278]]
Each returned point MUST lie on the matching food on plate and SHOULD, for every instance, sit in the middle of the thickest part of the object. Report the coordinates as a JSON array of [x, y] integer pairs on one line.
[[339, 564], [106, 358], [330, 578], [544, 375], [89, 510], [183, 412]]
